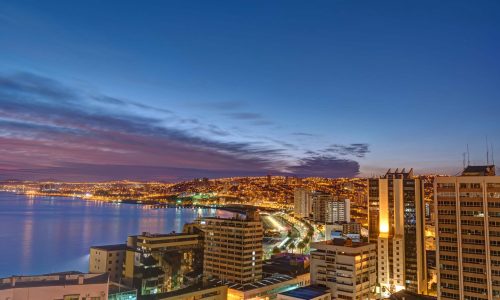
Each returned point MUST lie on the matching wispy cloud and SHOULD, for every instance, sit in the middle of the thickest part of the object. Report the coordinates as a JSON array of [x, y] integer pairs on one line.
[[47, 127]]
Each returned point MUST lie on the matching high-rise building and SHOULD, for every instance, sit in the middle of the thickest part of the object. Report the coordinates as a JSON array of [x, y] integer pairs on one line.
[[467, 211], [302, 200], [328, 209], [108, 259], [396, 221], [233, 248], [156, 263], [347, 268]]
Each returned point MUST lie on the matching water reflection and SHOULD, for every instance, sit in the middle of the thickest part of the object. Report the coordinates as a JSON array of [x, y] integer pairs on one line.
[[54, 234]]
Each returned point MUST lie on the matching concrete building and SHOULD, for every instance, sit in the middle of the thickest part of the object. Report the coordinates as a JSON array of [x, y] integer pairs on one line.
[[157, 263], [348, 269], [267, 288], [302, 200], [468, 234], [200, 291], [108, 259], [396, 221], [328, 209], [233, 248], [311, 292], [67, 286]]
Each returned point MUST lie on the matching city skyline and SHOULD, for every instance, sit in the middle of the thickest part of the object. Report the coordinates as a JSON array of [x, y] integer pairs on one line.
[[170, 91]]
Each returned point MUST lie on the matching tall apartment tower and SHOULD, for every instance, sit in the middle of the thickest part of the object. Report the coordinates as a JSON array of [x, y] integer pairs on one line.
[[396, 219], [328, 209], [302, 200], [347, 268], [467, 211], [233, 248]]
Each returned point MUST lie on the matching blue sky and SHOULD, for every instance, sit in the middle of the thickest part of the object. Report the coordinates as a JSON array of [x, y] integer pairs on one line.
[[187, 88]]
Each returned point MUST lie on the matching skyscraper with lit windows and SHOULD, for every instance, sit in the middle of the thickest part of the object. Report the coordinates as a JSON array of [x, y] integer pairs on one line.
[[468, 234], [233, 248], [396, 220]]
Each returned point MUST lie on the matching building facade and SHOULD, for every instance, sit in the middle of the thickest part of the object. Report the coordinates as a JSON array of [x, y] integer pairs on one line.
[[468, 234], [302, 200], [346, 267], [156, 263], [396, 218], [328, 209], [233, 248], [67, 286], [108, 259]]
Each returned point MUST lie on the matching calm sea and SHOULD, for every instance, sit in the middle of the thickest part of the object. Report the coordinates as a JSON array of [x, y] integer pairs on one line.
[[53, 234]]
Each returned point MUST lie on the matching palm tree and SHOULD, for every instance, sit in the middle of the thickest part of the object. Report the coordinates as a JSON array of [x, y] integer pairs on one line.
[[301, 246], [306, 240], [276, 250], [291, 246]]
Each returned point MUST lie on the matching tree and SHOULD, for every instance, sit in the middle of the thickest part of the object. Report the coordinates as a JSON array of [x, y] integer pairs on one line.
[[301, 246], [310, 233], [306, 240], [276, 250], [291, 246]]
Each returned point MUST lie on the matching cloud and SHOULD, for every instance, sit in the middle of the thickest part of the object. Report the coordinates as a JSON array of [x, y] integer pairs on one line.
[[49, 129], [358, 150], [326, 166]]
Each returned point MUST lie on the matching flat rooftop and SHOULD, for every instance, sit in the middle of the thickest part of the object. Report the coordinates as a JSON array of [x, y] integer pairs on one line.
[[275, 279], [307, 292], [54, 279], [111, 247], [187, 290]]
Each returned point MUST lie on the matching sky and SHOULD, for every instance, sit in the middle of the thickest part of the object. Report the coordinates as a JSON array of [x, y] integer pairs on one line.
[[172, 90]]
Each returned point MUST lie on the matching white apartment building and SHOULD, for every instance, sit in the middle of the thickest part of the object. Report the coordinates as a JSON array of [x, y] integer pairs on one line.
[[347, 268]]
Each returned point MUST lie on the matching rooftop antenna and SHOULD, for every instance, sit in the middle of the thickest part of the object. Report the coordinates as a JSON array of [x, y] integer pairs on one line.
[[487, 152], [463, 160], [468, 156], [492, 154]]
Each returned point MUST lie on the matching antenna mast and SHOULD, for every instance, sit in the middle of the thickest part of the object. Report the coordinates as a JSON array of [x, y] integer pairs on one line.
[[468, 156], [487, 152]]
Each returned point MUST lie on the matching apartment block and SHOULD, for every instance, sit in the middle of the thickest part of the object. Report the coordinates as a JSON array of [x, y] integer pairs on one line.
[[328, 209], [108, 259], [396, 218], [468, 234], [157, 263], [302, 199], [347, 268], [67, 286], [233, 248]]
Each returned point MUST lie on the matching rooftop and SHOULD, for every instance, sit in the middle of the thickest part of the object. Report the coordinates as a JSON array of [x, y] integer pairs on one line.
[[406, 295], [275, 279], [54, 279], [307, 292], [111, 247], [488, 170], [190, 289], [399, 174], [343, 242]]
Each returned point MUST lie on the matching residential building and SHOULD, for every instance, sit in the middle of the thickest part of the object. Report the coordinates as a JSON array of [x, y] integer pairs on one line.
[[396, 221], [108, 259], [157, 263], [302, 199], [347, 268], [311, 292], [67, 286], [199, 291], [267, 288], [233, 248], [328, 209], [467, 211]]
